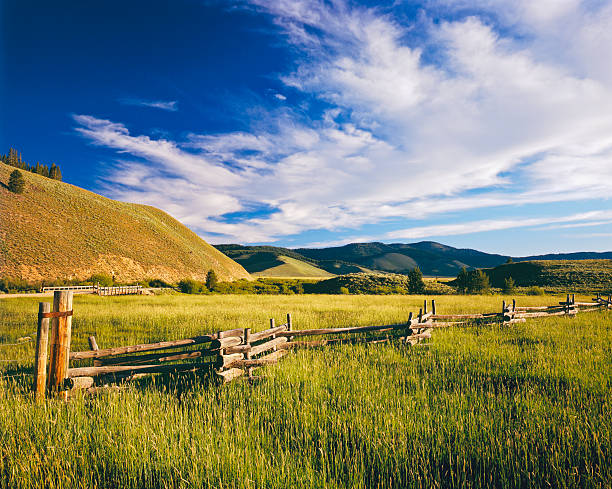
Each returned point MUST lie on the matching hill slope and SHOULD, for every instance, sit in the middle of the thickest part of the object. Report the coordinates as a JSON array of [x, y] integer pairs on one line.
[[58, 231], [570, 275], [274, 261]]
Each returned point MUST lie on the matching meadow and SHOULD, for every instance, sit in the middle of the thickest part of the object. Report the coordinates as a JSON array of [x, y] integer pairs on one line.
[[527, 405]]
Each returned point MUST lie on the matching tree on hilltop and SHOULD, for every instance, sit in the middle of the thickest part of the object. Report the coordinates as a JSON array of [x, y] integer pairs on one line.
[[55, 172], [16, 182]]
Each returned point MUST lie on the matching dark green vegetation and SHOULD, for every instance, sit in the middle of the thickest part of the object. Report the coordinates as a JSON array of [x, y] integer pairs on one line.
[[560, 275], [514, 407], [14, 159], [56, 231], [274, 261], [434, 259], [16, 183]]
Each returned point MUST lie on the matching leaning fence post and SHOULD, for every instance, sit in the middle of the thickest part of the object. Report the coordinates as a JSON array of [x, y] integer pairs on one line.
[[42, 341], [61, 332]]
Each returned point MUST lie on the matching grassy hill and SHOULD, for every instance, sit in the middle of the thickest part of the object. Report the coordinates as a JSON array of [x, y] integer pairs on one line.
[[569, 275], [290, 267], [58, 231], [273, 261]]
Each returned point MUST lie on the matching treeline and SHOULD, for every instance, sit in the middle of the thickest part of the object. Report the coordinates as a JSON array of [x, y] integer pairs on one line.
[[14, 159]]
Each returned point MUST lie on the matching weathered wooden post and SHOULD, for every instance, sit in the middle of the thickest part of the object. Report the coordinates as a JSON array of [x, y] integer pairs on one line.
[[273, 336], [247, 353], [409, 328], [433, 307], [425, 306], [61, 332], [289, 326], [93, 345], [42, 342], [513, 305]]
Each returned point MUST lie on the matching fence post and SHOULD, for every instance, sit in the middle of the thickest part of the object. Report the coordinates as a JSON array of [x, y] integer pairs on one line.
[[409, 328], [42, 341], [433, 307], [425, 306], [289, 326], [273, 336], [61, 332], [247, 354], [93, 345]]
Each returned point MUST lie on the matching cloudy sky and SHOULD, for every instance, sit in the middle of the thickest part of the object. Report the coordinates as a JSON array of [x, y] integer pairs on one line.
[[481, 123]]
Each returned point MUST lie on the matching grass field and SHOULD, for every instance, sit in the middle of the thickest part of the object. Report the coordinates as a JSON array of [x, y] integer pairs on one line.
[[521, 406]]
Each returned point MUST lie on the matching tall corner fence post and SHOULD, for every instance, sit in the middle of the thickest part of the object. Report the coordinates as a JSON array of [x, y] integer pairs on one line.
[[61, 333], [42, 342], [433, 307]]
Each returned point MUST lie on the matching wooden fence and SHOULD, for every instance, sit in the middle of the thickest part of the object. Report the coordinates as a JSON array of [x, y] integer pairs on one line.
[[96, 289], [237, 352], [119, 290]]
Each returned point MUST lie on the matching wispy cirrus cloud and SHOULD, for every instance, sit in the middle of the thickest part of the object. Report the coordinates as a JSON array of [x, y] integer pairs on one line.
[[493, 120], [171, 105]]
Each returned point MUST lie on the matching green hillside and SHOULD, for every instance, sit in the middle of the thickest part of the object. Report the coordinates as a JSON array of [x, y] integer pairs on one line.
[[274, 261], [58, 231], [290, 267], [570, 275]]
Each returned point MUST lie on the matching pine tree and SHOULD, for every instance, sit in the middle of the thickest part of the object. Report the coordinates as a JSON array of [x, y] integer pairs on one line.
[[509, 285], [12, 157], [463, 281], [479, 283], [211, 279], [16, 182], [55, 172], [415, 281]]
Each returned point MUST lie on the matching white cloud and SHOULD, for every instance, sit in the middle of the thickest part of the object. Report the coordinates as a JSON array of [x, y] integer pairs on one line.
[[171, 105], [496, 121], [495, 225]]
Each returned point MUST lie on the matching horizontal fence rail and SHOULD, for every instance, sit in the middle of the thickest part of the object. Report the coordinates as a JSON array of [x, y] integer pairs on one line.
[[236, 353]]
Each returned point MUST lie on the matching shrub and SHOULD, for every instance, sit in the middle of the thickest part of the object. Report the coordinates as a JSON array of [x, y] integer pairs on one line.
[[344, 291], [190, 286], [102, 279], [535, 290], [16, 182]]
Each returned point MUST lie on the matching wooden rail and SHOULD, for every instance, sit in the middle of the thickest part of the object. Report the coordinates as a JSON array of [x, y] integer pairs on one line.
[[234, 353]]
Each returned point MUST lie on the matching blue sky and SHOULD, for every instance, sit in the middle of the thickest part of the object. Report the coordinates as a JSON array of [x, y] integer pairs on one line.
[[482, 123]]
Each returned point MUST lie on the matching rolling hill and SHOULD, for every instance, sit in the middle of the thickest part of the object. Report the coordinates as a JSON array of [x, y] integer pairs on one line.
[[58, 231], [569, 275], [434, 259]]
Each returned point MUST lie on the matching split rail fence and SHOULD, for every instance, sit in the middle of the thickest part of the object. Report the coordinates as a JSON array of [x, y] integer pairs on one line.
[[237, 352]]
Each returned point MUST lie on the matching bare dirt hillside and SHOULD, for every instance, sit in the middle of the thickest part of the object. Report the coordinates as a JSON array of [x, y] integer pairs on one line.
[[58, 231]]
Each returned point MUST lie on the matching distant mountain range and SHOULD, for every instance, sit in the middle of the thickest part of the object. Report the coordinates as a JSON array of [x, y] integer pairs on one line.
[[434, 259]]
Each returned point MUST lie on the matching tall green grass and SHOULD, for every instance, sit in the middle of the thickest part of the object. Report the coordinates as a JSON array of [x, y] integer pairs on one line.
[[521, 406]]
